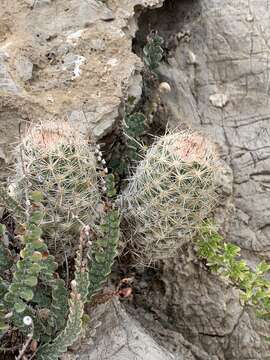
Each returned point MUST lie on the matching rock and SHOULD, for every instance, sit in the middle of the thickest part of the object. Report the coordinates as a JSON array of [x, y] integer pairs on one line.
[[7, 84], [225, 96], [164, 87], [24, 68], [119, 337], [72, 63], [134, 90], [219, 100], [78, 69]]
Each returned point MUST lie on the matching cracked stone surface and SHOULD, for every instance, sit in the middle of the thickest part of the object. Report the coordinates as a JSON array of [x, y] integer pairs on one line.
[[224, 92], [191, 311], [119, 337]]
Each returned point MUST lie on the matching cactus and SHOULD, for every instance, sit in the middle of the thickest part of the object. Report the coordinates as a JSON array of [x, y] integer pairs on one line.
[[58, 164], [171, 192], [153, 51], [61, 165], [88, 279]]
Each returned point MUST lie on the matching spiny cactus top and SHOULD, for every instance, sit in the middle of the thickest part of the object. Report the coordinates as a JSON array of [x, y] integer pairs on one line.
[[171, 192], [58, 162]]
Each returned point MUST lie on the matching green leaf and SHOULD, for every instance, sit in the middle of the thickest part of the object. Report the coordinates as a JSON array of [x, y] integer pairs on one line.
[[19, 307], [3, 327], [26, 294], [36, 196], [59, 305], [36, 256], [31, 281], [6, 260], [36, 217], [262, 267], [35, 268], [2, 229], [9, 297]]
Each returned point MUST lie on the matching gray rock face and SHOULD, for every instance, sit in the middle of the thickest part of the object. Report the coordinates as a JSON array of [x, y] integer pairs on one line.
[[227, 95], [217, 69], [119, 337], [66, 60]]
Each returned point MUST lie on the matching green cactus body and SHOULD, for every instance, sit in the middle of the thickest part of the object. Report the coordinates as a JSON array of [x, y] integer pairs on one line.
[[171, 192], [62, 166]]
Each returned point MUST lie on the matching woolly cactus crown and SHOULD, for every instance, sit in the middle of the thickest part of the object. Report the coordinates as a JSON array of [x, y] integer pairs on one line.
[[171, 192]]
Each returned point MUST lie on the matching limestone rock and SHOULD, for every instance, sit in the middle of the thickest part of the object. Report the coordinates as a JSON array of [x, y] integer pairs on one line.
[[226, 96], [69, 60], [119, 337]]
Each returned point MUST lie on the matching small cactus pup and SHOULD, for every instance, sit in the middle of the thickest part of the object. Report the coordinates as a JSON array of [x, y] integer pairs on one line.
[[172, 190], [58, 162]]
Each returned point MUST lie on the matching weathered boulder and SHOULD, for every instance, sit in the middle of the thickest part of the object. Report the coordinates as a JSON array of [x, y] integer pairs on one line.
[[65, 60], [118, 337]]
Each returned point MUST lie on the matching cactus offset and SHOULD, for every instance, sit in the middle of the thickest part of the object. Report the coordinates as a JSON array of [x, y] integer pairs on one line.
[[171, 192], [62, 166]]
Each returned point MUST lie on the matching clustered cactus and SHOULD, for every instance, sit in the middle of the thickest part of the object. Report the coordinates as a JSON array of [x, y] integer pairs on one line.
[[58, 195], [59, 163], [172, 191]]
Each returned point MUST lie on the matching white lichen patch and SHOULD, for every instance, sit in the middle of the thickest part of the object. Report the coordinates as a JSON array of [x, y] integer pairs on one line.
[[78, 62], [112, 62], [219, 100], [74, 37]]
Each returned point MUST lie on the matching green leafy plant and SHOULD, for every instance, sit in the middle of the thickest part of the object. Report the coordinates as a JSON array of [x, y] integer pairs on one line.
[[52, 350], [103, 252], [134, 128], [88, 279], [26, 276], [153, 51], [225, 259], [129, 149]]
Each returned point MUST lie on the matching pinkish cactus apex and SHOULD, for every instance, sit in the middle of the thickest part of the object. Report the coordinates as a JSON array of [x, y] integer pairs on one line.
[[171, 192]]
